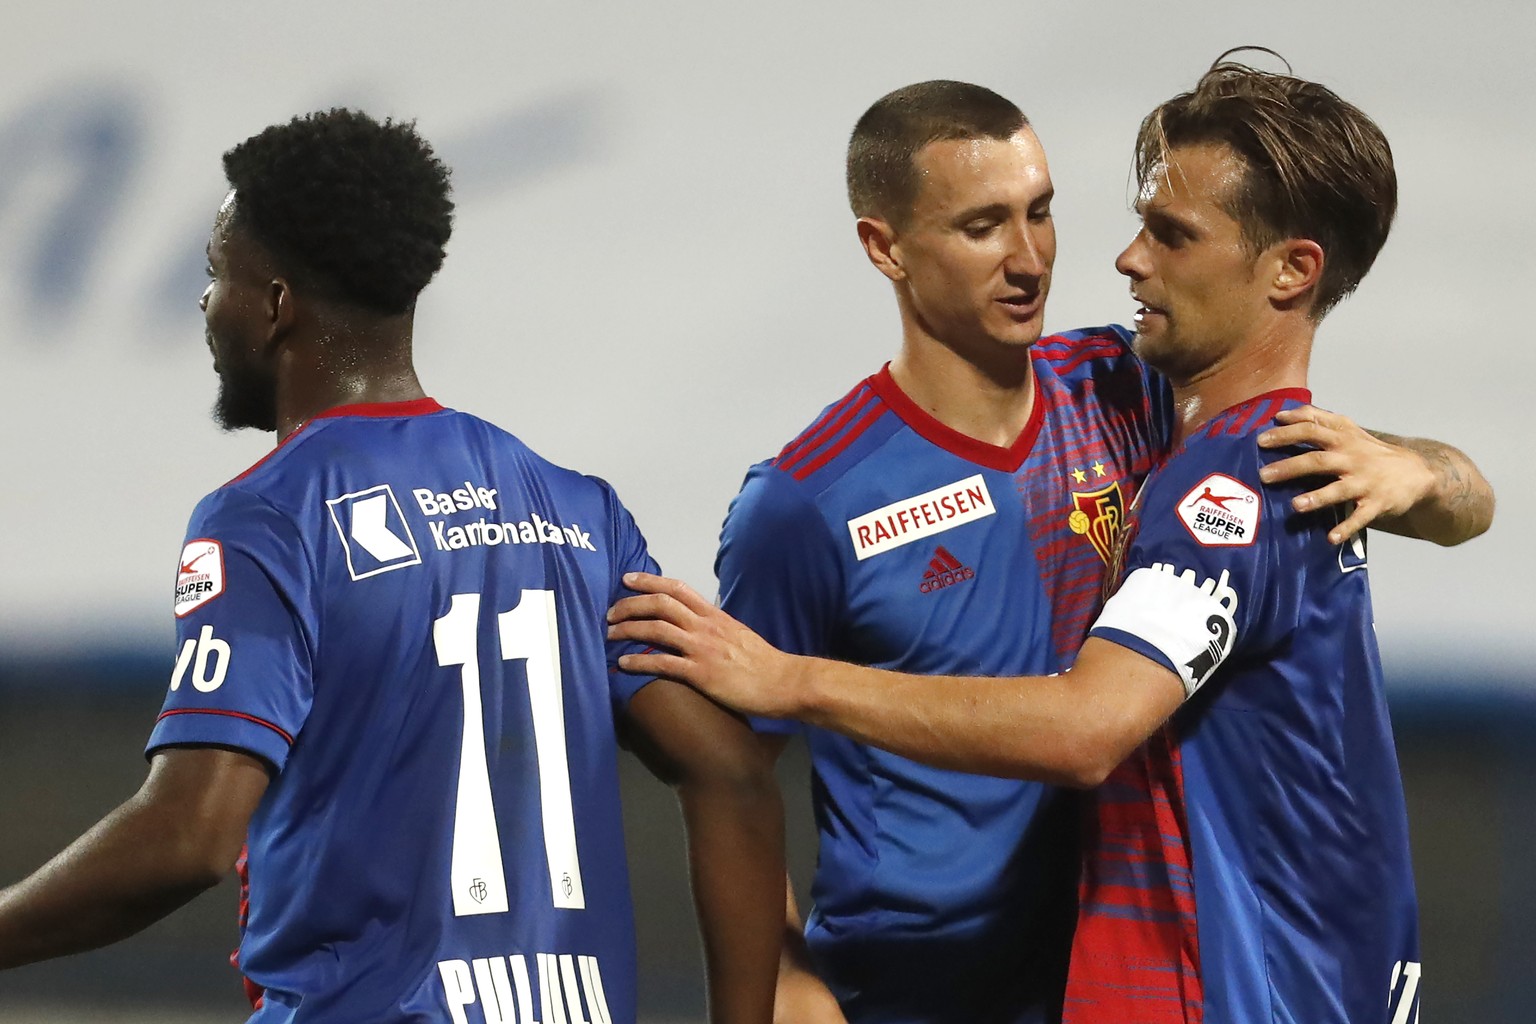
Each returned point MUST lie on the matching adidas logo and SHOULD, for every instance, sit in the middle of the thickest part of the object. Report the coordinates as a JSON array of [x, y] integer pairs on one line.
[[944, 570]]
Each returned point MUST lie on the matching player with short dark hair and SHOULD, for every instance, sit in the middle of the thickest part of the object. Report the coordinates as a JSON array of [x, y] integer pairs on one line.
[[954, 515], [392, 686], [1248, 857], [883, 179]]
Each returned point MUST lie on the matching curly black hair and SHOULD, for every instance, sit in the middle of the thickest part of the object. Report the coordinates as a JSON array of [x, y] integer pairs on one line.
[[355, 209]]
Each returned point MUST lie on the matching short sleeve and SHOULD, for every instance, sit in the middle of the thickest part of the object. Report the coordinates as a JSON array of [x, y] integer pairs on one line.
[[245, 632], [630, 555], [780, 572], [1199, 575]]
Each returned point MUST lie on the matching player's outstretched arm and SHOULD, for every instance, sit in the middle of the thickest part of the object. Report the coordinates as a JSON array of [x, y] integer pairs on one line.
[[1071, 729], [734, 817], [180, 834], [1404, 485]]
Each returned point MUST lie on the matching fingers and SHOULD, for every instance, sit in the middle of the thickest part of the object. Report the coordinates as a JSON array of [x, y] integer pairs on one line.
[[1335, 493], [650, 583], [1311, 463], [656, 632], [1357, 521], [1307, 424], [1302, 414], [658, 663], [1308, 432], [650, 606]]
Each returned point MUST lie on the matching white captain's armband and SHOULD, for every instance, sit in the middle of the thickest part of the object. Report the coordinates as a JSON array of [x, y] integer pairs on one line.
[[1191, 621]]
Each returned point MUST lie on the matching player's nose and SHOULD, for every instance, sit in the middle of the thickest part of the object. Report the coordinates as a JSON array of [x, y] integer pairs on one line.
[[1026, 256], [1132, 261]]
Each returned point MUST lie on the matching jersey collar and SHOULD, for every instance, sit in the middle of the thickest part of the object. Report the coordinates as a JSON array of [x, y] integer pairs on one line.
[[410, 407], [990, 456]]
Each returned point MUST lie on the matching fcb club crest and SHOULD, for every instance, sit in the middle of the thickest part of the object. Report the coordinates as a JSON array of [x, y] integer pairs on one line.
[[1097, 515]]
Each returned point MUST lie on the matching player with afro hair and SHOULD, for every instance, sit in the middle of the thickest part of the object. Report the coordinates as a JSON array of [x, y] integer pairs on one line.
[[357, 210]]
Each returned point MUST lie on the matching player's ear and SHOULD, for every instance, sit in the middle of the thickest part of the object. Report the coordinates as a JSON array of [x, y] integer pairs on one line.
[[879, 241], [1297, 270], [280, 313]]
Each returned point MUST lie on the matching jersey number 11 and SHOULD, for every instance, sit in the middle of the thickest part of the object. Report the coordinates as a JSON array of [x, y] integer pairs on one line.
[[528, 631]]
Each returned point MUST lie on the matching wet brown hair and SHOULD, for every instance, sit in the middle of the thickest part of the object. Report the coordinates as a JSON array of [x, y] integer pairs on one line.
[[1316, 167], [882, 180]]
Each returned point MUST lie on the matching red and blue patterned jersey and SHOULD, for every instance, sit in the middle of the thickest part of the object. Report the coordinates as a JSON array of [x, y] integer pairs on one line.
[[401, 610], [881, 536], [1250, 861]]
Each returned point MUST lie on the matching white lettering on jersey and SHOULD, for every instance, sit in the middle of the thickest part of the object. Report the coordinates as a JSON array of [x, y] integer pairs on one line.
[[1405, 1001], [486, 532], [199, 575], [373, 531], [207, 656], [569, 990], [1221, 512], [445, 503], [1192, 623], [922, 515], [490, 533]]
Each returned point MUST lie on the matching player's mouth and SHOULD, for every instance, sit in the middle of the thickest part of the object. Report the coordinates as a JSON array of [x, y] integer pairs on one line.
[[1146, 314], [1023, 308]]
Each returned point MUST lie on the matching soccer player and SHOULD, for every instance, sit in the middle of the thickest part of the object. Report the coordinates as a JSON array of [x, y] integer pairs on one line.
[[955, 514], [391, 677], [1249, 856]]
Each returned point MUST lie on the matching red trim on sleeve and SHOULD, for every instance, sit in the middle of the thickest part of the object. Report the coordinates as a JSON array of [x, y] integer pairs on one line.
[[1006, 460], [220, 711]]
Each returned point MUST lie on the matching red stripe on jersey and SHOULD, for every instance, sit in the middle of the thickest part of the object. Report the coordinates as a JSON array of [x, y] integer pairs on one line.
[[1136, 952], [220, 711], [1071, 360], [411, 407], [836, 409], [842, 443], [949, 559], [414, 407], [827, 433], [253, 992]]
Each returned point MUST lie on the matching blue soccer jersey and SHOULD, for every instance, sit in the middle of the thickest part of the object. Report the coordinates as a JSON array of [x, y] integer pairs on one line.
[[881, 536], [1251, 859], [401, 611]]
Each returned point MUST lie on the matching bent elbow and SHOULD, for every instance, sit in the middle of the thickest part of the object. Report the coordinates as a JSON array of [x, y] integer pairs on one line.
[[1087, 772], [203, 863], [1093, 759]]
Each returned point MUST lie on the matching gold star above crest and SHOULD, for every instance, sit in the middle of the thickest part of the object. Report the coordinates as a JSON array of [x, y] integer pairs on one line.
[[1098, 469], [1079, 476]]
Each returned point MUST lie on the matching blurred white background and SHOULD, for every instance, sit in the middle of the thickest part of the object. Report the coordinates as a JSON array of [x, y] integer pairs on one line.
[[654, 275]]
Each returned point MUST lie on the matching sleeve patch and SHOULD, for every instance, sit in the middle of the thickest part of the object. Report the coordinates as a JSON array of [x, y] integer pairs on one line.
[[199, 575], [1221, 512], [1191, 621]]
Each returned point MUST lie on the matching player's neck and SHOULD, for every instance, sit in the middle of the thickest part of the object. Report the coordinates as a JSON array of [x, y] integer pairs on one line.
[[989, 398], [1257, 367], [346, 365]]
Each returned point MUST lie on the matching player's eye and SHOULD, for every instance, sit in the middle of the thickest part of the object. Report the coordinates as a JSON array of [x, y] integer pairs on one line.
[[980, 228], [208, 269], [1040, 215], [1166, 234]]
